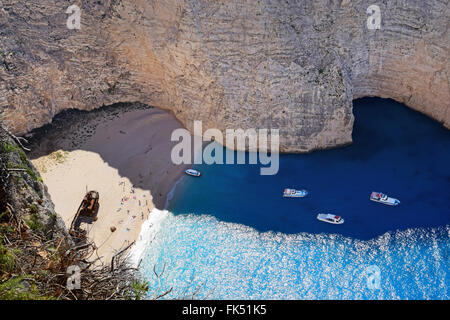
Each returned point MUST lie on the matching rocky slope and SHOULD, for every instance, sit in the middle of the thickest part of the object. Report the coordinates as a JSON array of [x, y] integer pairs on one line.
[[24, 192], [36, 251], [292, 65]]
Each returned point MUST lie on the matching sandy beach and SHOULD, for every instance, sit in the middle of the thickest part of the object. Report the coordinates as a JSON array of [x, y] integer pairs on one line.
[[123, 154]]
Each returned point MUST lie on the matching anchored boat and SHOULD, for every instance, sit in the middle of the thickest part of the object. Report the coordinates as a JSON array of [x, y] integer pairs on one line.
[[382, 198], [292, 193], [192, 172], [330, 218]]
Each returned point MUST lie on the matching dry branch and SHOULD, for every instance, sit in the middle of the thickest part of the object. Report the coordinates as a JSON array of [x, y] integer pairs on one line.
[[17, 139], [46, 262]]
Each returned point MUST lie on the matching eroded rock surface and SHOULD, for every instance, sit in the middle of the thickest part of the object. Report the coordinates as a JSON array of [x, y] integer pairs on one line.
[[24, 192], [292, 65]]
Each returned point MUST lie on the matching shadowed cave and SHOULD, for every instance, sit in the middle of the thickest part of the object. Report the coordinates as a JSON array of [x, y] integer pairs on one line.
[[391, 152]]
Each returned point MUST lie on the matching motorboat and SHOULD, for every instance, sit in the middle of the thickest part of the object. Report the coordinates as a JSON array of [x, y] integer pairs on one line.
[[330, 218], [292, 193], [382, 198], [192, 172]]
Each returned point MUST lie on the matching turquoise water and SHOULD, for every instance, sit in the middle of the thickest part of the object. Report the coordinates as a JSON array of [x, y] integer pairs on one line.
[[229, 234]]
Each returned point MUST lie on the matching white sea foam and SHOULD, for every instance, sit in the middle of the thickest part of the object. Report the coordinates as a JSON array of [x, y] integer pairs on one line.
[[233, 261], [148, 232]]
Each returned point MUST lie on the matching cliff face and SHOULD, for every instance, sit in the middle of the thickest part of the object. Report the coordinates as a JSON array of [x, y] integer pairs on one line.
[[292, 65], [23, 190]]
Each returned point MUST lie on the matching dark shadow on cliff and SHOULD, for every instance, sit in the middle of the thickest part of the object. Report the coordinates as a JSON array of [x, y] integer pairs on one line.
[[138, 144], [396, 150]]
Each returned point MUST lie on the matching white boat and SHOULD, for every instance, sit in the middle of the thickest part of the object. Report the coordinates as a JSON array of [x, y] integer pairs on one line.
[[292, 193], [330, 218], [382, 198], [192, 172]]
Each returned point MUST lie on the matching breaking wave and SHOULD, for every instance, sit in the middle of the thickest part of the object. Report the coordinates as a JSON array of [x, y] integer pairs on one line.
[[202, 256]]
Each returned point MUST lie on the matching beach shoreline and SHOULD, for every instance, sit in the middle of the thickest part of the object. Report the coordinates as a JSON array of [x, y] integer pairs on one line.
[[124, 154]]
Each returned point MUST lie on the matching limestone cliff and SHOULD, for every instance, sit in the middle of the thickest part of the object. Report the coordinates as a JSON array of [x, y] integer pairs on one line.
[[23, 191], [292, 65]]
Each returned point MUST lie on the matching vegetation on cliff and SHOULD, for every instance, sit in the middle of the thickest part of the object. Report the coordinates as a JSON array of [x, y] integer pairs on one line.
[[38, 259]]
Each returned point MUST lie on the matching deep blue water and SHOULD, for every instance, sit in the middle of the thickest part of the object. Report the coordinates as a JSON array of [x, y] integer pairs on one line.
[[231, 234], [396, 151]]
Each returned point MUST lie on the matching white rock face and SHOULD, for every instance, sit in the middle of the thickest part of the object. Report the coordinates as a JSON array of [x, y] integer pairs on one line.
[[291, 65]]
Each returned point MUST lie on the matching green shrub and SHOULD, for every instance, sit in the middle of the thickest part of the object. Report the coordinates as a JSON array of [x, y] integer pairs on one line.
[[7, 258], [3, 214], [8, 147], [33, 208], [23, 157], [4, 228], [34, 222], [28, 170], [139, 290], [16, 289]]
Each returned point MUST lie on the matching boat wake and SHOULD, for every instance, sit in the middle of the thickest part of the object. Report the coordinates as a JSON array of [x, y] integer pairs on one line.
[[171, 193]]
